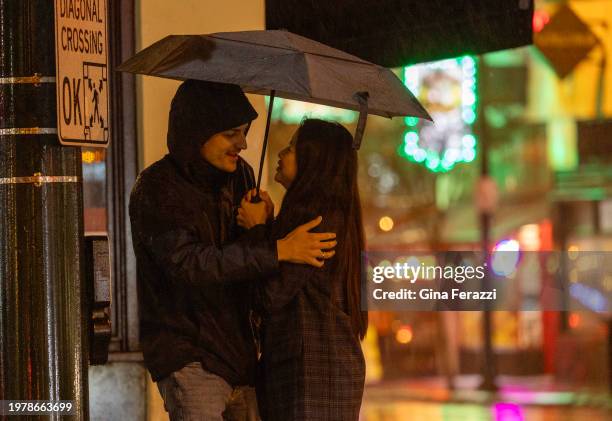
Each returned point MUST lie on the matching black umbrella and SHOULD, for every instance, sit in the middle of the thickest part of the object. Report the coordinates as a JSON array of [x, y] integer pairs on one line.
[[279, 63]]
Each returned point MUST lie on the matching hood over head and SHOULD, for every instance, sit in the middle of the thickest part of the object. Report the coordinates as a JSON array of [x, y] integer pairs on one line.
[[199, 110]]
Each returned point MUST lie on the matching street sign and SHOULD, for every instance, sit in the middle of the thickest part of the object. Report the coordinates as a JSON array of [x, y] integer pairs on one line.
[[81, 62], [565, 41]]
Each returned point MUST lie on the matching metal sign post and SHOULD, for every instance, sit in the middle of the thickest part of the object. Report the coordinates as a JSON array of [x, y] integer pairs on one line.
[[43, 329]]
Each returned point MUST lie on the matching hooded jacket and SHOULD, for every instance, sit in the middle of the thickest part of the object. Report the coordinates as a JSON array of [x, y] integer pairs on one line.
[[194, 269]]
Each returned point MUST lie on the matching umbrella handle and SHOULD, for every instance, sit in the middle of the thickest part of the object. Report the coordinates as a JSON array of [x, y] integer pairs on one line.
[[362, 99], [256, 198]]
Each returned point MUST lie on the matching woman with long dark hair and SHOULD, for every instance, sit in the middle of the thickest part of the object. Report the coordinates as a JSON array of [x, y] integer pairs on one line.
[[312, 366]]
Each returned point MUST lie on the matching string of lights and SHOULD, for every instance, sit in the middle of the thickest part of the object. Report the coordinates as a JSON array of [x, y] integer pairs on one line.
[[448, 89]]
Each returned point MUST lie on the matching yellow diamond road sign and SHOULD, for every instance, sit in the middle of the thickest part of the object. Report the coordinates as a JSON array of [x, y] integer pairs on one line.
[[82, 76], [565, 41]]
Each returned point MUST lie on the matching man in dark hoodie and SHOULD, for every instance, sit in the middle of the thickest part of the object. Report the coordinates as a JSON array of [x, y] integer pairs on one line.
[[195, 267]]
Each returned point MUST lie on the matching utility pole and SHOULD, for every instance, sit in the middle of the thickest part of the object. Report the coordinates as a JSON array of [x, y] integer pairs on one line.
[[485, 215], [43, 348]]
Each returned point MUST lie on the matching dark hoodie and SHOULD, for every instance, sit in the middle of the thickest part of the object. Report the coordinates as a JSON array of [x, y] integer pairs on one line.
[[194, 270]]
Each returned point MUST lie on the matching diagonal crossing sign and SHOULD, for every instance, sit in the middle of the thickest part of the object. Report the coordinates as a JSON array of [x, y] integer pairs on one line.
[[81, 60]]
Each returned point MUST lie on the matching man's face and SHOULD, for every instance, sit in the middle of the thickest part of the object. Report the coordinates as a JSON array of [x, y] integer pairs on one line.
[[222, 149]]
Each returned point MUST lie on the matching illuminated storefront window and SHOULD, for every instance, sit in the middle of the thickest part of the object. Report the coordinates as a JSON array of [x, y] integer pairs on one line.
[[94, 190], [293, 112]]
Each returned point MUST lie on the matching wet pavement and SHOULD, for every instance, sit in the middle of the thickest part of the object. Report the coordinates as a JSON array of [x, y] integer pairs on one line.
[[501, 411], [524, 400]]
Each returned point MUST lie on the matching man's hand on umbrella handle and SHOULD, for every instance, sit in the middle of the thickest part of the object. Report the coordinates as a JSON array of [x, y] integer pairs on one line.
[[251, 214], [251, 196], [302, 246]]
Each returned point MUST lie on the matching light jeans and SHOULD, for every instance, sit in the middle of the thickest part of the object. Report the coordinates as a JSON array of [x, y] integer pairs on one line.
[[194, 394]]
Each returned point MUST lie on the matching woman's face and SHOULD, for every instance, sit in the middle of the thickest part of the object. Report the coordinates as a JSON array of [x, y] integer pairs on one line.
[[287, 164]]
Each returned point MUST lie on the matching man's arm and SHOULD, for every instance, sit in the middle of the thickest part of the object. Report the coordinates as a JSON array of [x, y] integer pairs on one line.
[[167, 230], [185, 258], [299, 246]]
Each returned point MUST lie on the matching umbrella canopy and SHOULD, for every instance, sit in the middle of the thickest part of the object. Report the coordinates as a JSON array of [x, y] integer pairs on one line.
[[279, 63], [292, 66]]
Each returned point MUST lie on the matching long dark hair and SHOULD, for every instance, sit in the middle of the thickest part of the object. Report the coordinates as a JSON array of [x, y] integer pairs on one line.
[[326, 185]]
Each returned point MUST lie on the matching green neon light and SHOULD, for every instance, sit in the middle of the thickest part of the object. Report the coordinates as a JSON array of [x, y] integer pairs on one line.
[[411, 121], [469, 116], [465, 151]]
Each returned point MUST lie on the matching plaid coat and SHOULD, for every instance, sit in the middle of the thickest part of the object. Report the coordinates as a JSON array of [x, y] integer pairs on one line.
[[312, 367]]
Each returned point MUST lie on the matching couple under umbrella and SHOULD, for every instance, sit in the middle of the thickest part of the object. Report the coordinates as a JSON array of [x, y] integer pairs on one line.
[[218, 274]]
